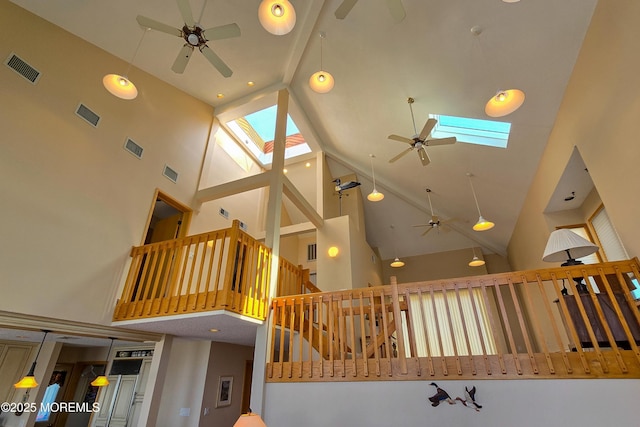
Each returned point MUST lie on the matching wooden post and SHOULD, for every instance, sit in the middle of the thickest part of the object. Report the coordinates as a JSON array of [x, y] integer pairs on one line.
[[397, 318]]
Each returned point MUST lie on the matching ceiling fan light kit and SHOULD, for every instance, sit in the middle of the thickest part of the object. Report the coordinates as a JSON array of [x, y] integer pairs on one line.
[[375, 195], [277, 16], [504, 102]]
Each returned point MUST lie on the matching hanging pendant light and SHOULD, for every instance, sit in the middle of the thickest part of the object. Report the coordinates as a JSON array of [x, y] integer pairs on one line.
[[482, 224], [120, 85], [504, 102], [102, 380], [396, 263], [475, 261], [277, 16], [29, 380], [321, 81], [375, 195]]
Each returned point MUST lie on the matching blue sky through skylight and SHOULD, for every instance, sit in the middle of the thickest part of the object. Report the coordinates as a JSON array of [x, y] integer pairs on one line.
[[264, 123], [472, 131]]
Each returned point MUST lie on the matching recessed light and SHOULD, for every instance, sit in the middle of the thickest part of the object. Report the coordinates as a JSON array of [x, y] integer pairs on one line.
[[220, 95], [214, 330], [308, 164], [285, 170], [250, 83]]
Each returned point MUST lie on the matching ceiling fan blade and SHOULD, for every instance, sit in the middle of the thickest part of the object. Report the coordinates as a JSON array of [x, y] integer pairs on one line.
[[343, 10], [396, 9], [441, 141], [424, 157], [428, 127], [421, 225], [182, 59], [158, 26], [401, 154], [222, 32], [427, 230], [216, 61], [401, 139], [185, 11]]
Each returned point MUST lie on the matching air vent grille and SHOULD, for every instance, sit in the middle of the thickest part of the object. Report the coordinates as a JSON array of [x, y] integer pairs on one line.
[[21, 67], [170, 173], [312, 252], [243, 226], [84, 112], [133, 148], [224, 212]]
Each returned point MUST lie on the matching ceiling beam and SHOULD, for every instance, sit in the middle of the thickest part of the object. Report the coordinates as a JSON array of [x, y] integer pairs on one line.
[[241, 185], [301, 203]]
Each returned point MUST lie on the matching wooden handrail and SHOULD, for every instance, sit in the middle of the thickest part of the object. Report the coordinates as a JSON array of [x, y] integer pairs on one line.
[[508, 325]]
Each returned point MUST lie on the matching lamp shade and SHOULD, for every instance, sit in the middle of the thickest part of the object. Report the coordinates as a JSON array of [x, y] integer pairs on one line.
[[504, 102], [564, 245], [100, 381], [277, 16], [249, 420], [321, 82], [28, 381], [120, 86], [483, 224], [476, 262], [375, 196], [397, 263]]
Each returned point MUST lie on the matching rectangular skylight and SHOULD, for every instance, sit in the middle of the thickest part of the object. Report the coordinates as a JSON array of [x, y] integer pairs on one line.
[[472, 131], [257, 131]]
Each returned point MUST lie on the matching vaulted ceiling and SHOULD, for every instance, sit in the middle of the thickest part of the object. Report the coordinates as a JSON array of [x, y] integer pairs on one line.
[[431, 55]]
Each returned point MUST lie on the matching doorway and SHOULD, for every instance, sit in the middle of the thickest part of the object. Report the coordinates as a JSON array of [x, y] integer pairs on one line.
[[168, 219]]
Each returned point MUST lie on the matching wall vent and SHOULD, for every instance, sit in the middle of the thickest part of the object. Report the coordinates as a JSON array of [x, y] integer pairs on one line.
[[170, 174], [243, 226], [89, 116], [312, 254], [21, 67], [133, 148], [224, 212]]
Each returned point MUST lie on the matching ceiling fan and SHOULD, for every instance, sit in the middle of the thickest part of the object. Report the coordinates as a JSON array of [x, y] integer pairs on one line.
[[434, 222], [195, 37], [419, 141], [395, 8]]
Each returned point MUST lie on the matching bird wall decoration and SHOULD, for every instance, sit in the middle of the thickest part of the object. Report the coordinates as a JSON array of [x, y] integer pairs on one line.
[[440, 396], [470, 398]]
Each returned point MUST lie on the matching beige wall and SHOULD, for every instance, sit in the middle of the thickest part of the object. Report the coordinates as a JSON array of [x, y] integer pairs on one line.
[[599, 114]]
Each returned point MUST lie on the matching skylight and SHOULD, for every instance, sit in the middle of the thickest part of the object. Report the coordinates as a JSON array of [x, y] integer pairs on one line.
[[472, 131], [257, 131]]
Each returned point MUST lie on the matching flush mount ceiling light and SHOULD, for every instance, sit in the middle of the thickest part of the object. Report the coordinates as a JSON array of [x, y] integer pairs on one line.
[[475, 261], [120, 85], [482, 224], [505, 101], [321, 81], [396, 263], [375, 195], [29, 380], [277, 16], [102, 380]]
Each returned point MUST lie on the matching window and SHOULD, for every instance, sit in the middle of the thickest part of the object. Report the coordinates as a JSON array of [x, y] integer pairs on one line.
[[607, 237], [472, 131]]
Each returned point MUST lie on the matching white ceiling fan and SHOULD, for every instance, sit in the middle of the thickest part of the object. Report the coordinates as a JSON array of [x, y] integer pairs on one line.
[[195, 37], [434, 222], [419, 141], [395, 8]]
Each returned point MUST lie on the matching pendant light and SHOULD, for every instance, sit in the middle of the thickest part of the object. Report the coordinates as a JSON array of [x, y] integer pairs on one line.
[[482, 224], [29, 380], [475, 261], [375, 195], [102, 380], [277, 16], [120, 85], [321, 81], [505, 101], [396, 263]]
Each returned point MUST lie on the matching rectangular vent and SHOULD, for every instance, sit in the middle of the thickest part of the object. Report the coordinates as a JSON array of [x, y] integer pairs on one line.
[[84, 112], [312, 252], [133, 148], [243, 226], [224, 212], [170, 174], [21, 67]]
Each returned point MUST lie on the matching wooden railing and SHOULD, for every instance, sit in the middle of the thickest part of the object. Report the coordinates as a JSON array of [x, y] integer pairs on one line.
[[220, 270], [511, 325]]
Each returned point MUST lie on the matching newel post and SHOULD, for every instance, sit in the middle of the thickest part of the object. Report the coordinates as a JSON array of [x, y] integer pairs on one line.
[[397, 319]]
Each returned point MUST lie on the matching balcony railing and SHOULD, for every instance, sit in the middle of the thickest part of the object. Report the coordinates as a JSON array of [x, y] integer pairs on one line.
[[220, 270], [526, 324]]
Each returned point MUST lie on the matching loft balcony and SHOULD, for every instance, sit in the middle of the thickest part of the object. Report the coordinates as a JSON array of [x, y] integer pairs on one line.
[[518, 325]]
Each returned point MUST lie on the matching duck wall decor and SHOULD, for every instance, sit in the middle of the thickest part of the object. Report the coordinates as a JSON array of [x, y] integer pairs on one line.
[[469, 400]]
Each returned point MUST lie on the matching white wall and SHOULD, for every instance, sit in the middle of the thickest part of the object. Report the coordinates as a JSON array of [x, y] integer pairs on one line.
[[522, 403]]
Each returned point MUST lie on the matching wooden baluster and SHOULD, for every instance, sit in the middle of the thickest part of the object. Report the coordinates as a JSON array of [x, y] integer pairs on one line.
[[479, 328], [211, 289], [301, 335], [331, 341], [312, 313], [373, 332], [523, 327], [536, 325], [342, 346], [385, 328], [272, 344], [352, 328], [494, 326], [321, 334], [507, 327], [145, 290], [132, 283], [451, 332], [472, 364], [283, 327], [443, 360], [635, 310], [426, 334], [397, 319], [554, 325], [166, 277], [363, 338], [292, 330], [412, 332]]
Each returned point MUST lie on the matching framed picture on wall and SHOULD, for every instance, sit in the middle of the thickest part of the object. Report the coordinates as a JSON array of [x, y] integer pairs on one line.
[[225, 386]]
